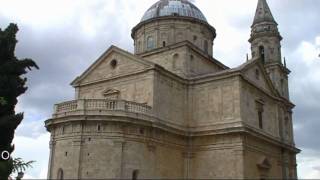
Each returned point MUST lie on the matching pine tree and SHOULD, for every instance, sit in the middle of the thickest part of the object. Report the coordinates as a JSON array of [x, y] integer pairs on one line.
[[12, 85]]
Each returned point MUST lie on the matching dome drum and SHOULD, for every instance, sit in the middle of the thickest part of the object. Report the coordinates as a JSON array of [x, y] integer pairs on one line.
[[179, 20]]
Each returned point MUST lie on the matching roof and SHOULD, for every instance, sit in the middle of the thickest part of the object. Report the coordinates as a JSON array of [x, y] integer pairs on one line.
[[173, 8], [263, 13]]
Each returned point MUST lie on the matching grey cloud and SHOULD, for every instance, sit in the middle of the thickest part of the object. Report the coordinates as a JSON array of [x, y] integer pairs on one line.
[[62, 53], [298, 20]]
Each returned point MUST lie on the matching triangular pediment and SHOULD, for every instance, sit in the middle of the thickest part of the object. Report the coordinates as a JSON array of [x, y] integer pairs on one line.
[[256, 74], [114, 62]]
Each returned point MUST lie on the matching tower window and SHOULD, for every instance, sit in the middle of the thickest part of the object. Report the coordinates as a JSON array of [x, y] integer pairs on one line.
[[150, 43], [195, 38], [262, 53], [135, 174], [257, 74], [206, 47], [99, 127], [163, 44]]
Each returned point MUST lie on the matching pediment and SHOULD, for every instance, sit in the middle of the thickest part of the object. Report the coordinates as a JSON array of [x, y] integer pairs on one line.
[[256, 74], [114, 62]]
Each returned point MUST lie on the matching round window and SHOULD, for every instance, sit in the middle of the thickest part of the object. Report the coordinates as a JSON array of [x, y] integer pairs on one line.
[[114, 63]]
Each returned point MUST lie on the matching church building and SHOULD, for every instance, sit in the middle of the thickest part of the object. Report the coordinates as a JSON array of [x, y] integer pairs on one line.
[[170, 110]]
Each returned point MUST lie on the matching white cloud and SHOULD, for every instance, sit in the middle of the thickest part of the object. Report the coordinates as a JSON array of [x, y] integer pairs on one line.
[[309, 53], [318, 41], [31, 127], [309, 164], [36, 149]]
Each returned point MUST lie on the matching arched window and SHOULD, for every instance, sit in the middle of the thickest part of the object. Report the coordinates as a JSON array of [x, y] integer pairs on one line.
[[135, 174], [262, 54], [257, 74], [205, 46], [139, 46], [60, 174], [174, 61], [150, 43]]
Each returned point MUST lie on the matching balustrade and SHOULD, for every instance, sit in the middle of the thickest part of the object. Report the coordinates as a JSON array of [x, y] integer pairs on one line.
[[102, 104]]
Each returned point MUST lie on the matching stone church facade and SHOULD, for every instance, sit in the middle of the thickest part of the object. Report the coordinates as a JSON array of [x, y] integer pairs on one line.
[[171, 110]]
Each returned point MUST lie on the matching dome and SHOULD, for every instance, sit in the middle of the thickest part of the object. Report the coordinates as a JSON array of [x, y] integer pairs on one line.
[[173, 8]]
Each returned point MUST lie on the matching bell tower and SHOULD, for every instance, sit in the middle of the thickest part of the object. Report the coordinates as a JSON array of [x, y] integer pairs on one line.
[[266, 44]]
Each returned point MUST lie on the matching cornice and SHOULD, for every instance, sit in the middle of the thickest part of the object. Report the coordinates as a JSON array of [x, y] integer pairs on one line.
[[184, 18]]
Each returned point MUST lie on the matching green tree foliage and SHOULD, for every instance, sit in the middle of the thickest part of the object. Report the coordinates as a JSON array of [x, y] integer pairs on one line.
[[12, 85], [20, 166]]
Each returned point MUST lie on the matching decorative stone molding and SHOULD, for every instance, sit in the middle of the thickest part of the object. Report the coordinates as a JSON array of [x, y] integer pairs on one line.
[[264, 164], [77, 142], [111, 94]]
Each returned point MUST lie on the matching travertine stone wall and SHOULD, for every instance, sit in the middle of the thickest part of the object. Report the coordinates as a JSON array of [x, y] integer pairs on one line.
[[172, 31], [170, 99], [115, 150], [255, 75], [215, 102], [103, 149], [183, 61], [282, 163], [104, 70], [222, 154], [279, 79], [250, 98], [137, 88]]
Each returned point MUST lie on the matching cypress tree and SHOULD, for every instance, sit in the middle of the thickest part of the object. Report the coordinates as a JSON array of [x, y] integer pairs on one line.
[[12, 85]]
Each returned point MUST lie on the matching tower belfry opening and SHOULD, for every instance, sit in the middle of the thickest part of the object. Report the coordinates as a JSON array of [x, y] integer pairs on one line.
[[262, 54]]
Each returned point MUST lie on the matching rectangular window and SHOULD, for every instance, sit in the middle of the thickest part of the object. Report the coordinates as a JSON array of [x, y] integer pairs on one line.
[[260, 109], [260, 119]]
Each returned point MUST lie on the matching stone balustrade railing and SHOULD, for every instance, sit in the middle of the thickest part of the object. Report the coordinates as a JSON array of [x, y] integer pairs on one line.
[[102, 104]]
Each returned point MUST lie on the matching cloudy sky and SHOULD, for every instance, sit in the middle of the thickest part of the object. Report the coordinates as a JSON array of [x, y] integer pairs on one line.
[[65, 36]]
